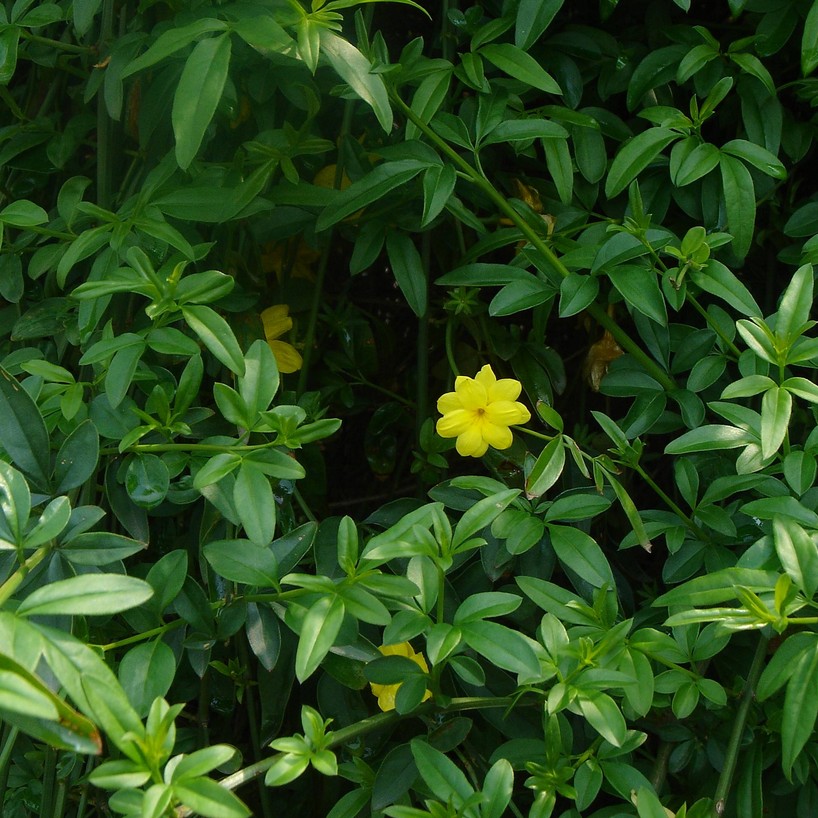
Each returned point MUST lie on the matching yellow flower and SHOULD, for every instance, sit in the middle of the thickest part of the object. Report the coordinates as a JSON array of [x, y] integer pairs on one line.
[[479, 412], [386, 693], [277, 321]]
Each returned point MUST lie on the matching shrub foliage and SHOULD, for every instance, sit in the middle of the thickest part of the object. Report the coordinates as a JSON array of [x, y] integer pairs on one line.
[[246, 247]]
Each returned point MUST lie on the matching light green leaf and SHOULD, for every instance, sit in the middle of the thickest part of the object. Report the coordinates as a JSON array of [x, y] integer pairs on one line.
[[318, 632], [776, 408], [356, 71], [87, 595], [197, 95], [253, 496], [739, 202], [216, 335], [579, 552]]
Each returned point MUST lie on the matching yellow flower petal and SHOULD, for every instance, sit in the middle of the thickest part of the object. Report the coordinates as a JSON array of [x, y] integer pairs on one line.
[[505, 389], [471, 443], [507, 413], [276, 321], [498, 436], [455, 423], [448, 403], [471, 393], [286, 355], [486, 378]]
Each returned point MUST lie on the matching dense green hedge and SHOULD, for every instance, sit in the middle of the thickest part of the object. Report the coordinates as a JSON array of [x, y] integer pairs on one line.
[[249, 249]]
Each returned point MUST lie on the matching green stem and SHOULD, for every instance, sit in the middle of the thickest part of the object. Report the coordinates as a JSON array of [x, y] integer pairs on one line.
[[9, 737], [450, 346], [441, 594], [204, 448], [49, 778], [670, 504], [318, 288], [731, 756], [302, 504], [14, 581], [596, 311], [713, 325], [422, 388], [105, 141], [36, 38], [362, 728]]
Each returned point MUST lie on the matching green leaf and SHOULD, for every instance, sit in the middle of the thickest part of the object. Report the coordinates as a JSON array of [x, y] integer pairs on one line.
[[498, 787], [253, 496], [480, 515], [635, 156], [776, 408], [809, 42], [800, 709], [698, 163], [197, 95], [718, 280], [520, 130], [576, 293], [23, 213], [521, 295], [428, 98], [9, 42], [408, 269], [640, 288], [209, 799], [355, 70], [533, 18], [445, 779], [51, 523], [783, 662], [23, 433], [87, 595], [318, 631], [201, 762], [560, 166], [579, 552], [99, 548], [768, 163], [377, 184], [438, 186], [547, 468], [502, 646], [796, 303], [147, 480], [77, 458], [216, 335], [486, 605], [146, 672], [739, 202], [604, 716], [752, 65], [719, 586], [710, 438], [522, 66], [798, 554], [243, 561], [169, 42]]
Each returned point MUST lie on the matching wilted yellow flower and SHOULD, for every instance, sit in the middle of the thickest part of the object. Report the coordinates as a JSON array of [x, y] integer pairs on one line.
[[277, 321], [479, 412], [386, 693]]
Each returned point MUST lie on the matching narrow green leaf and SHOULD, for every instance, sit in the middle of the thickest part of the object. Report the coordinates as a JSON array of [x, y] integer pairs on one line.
[[243, 561], [253, 496], [216, 335], [377, 184], [318, 632], [441, 774], [533, 18], [579, 552], [407, 266], [635, 156], [87, 595], [522, 66], [809, 42], [197, 95], [354, 68], [547, 468], [739, 202], [800, 709], [776, 408], [23, 433]]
